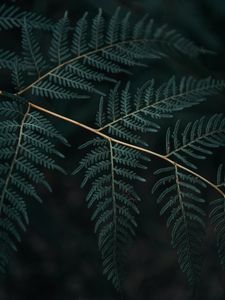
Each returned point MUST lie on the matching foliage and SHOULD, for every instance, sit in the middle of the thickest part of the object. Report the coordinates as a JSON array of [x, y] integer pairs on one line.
[[79, 59]]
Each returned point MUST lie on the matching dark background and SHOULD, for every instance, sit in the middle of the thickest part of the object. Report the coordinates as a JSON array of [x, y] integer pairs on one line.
[[58, 257]]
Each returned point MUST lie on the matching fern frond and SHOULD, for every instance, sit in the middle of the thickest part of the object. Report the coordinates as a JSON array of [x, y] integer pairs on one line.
[[18, 75], [59, 50], [196, 140], [33, 58], [111, 47], [50, 90], [126, 120], [7, 59], [79, 42], [11, 16], [27, 142], [221, 176], [112, 198], [217, 216], [181, 201]]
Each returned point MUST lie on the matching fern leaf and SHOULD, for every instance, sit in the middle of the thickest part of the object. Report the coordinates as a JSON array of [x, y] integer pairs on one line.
[[100, 116], [79, 42], [217, 216], [7, 59], [27, 140], [97, 31], [18, 76], [50, 90], [33, 58], [197, 139], [112, 198], [179, 195], [11, 16], [114, 45], [113, 28], [59, 50], [126, 120]]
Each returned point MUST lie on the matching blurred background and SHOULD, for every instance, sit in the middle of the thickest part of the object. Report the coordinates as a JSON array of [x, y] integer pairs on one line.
[[58, 257]]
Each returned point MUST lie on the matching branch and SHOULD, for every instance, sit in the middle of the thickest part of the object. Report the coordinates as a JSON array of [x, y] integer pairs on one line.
[[110, 139]]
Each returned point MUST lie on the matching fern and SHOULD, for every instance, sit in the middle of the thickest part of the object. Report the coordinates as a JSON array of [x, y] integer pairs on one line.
[[197, 139], [78, 59], [110, 169], [182, 202], [27, 142], [125, 118], [217, 216], [11, 16], [31, 50], [7, 59], [80, 64]]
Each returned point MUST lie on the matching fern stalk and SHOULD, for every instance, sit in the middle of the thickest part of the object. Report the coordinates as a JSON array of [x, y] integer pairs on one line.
[[110, 139]]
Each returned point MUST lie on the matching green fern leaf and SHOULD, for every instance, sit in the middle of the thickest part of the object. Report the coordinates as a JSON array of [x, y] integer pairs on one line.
[[11, 16], [7, 59], [33, 58], [112, 198], [198, 138], [114, 45], [27, 142], [59, 50], [79, 42], [217, 216], [18, 76], [127, 120], [97, 31], [181, 201], [50, 90]]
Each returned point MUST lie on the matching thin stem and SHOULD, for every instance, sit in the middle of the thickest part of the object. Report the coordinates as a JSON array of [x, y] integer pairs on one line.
[[156, 154]]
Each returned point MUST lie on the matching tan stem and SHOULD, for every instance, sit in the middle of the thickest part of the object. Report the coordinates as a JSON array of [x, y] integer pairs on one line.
[[156, 154]]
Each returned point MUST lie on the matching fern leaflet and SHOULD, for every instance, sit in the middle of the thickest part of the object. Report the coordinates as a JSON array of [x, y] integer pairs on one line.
[[181, 201], [197, 139], [127, 120], [11, 16], [217, 216], [78, 65], [110, 170], [27, 142]]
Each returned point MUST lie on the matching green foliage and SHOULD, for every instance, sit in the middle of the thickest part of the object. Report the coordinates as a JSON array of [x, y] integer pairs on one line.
[[27, 142], [181, 201], [125, 117], [98, 50], [197, 139], [11, 16], [111, 170], [78, 59], [217, 217]]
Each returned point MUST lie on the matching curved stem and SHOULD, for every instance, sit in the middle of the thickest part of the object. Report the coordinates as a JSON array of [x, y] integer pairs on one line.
[[110, 139]]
